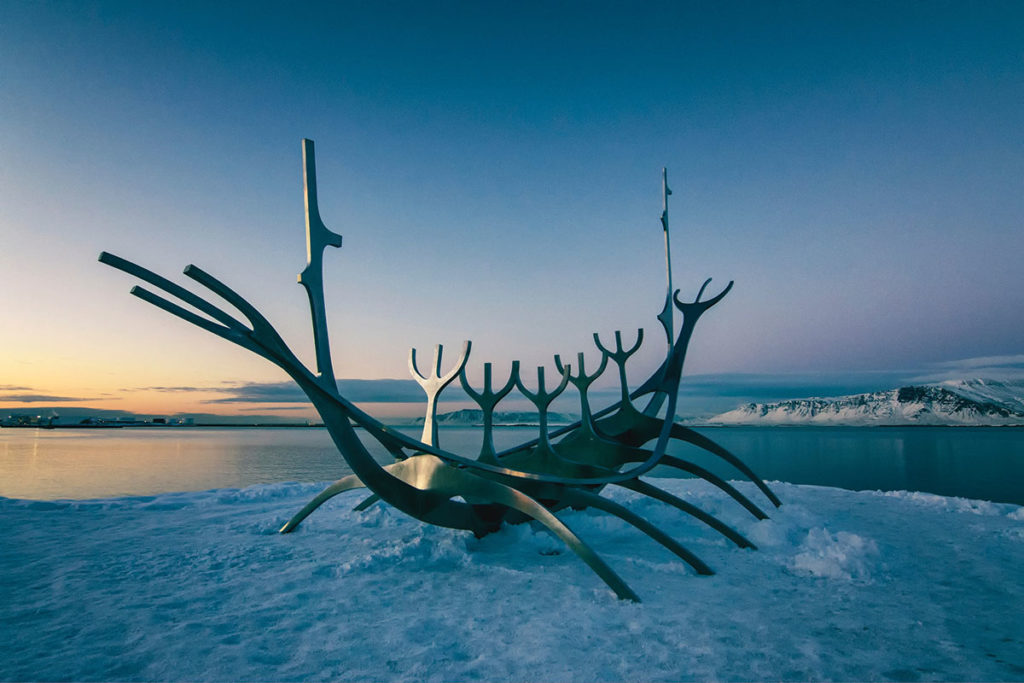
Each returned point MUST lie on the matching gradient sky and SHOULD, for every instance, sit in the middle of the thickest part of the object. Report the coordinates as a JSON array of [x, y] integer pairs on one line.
[[856, 168]]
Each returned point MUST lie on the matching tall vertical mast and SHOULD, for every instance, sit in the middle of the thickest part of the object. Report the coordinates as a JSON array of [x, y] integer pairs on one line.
[[318, 238], [666, 313], [665, 317]]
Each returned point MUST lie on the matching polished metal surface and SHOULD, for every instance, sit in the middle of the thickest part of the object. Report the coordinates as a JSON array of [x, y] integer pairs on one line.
[[318, 238], [433, 384], [568, 466], [488, 399]]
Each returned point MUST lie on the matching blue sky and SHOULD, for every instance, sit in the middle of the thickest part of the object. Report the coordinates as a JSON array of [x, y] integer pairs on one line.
[[495, 171]]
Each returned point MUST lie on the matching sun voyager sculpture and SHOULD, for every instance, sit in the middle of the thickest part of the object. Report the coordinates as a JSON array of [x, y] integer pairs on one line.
[[566, 467]]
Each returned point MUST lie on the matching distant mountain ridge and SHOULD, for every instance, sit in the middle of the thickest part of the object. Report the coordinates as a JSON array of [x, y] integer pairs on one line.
[[470, 417], [955, 402]]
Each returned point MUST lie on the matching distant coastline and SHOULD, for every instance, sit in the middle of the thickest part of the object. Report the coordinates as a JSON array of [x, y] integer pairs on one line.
[[960, 403]]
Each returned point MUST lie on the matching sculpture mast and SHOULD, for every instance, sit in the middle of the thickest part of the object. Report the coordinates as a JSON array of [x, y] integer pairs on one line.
[[665, 317], [666, 313], [318, 238]]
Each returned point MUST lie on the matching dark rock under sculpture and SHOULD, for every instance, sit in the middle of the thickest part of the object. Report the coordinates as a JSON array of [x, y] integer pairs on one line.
[[568, 466]]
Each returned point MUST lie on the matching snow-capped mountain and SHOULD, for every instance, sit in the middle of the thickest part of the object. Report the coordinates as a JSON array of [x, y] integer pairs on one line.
[[955, 402]]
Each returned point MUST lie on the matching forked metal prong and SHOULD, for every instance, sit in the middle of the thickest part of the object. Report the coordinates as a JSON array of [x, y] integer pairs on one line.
[[433, 384], [488, 399]]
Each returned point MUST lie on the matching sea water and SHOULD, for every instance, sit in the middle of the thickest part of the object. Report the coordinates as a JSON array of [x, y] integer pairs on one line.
[[970, 462]]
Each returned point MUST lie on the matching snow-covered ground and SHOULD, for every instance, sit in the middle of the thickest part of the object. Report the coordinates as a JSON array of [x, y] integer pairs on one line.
[[199, 587]]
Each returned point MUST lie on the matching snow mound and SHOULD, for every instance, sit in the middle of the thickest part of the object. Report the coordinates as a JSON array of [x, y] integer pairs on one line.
[[841, 556], [947, 503], [200, 587]]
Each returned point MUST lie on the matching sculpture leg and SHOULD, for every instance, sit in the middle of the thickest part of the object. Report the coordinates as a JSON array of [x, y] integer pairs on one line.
[[593, 500], [462, 483], [688, 435], [344, 484], [367, 502], [666, 497]]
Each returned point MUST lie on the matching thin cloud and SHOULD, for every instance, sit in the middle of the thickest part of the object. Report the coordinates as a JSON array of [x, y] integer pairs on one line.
[[179, 389], [1011, 361], [47, 398], [247, 410], [356, 390], [12, 387], [262, 392], [1008, 367], [758, 386]]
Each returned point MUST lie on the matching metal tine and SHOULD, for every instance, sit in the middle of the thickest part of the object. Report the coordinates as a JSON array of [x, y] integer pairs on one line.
[[260, 324], [163, 283], [488, 399], [435, 375], [602, 412], [186, 315], [434, 384], [243, 335], [672, 366], [582, 382], [664, 496], [620, 356], [699, 305], [487, 395], [542, 399], [262, 332]]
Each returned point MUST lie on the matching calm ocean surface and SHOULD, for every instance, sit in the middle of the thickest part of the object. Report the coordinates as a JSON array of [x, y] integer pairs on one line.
[[985, 463]]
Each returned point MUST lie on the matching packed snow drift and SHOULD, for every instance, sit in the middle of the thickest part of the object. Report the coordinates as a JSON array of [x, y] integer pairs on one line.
[[200, 587]]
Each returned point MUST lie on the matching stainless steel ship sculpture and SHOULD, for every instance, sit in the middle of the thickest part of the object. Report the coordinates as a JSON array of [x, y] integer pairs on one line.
[[569, 466]]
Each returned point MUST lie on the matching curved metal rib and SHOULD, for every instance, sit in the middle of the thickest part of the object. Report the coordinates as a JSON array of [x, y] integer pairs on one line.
[[366, 503], [706, 475], [664, 496], [712, 478], [580, 497], [697, 439], [461, 482], [171, 288], [344, 484]]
